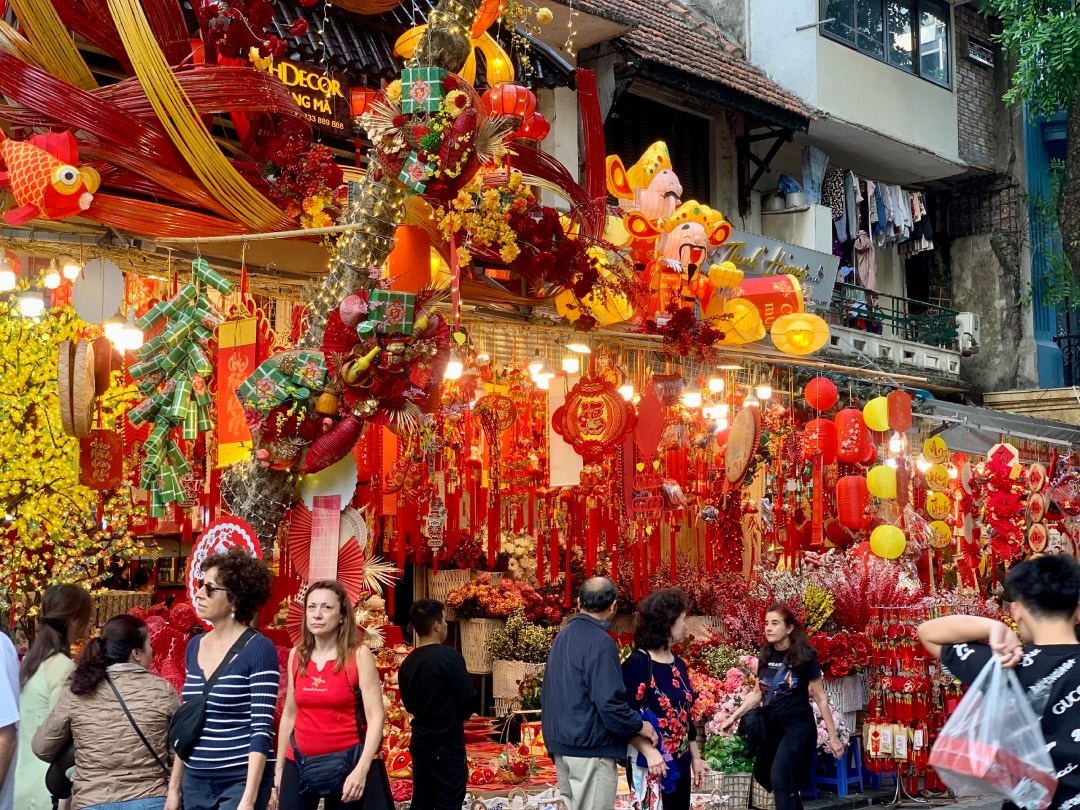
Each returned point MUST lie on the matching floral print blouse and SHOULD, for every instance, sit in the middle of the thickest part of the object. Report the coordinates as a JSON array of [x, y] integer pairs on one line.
[[669, 695]]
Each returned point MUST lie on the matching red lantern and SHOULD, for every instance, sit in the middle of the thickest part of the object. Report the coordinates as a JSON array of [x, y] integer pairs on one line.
[[852, 498], [821, 393], [594, 418], [851, 437], [509, 99], [359, 99], [899, 411], [535, 127], [820, 437]]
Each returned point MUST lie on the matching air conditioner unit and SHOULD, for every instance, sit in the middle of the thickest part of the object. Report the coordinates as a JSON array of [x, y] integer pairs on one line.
[[967, 324]]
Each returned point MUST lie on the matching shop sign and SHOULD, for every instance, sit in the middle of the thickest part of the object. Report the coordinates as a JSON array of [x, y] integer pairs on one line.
[[759, 255], [101, 459], [322, 97]]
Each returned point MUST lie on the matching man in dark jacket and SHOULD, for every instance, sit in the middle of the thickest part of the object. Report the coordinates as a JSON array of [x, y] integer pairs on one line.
[[586, 719]]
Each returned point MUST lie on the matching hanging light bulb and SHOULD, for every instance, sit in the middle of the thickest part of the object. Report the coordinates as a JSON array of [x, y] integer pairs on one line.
[[721, 424], [571, 365], [751, 402], [720, 410], [543, 371], [764, 392], [953, 470], [454, 368], [8, 276], [483, 359], [896, 444], [626, 391], [536, 364], [691, 397], [922, 464], [31, 303], [51, 279], [579, 348], [716, 385], [543, 381], [71, 267], [131, 336], [113, 329], [892, 461]]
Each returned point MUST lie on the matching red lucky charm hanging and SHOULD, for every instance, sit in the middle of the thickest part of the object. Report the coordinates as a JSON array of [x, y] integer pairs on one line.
[[594, 418]]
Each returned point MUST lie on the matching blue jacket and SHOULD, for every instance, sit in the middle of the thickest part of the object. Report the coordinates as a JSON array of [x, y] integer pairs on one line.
[[584, 708]]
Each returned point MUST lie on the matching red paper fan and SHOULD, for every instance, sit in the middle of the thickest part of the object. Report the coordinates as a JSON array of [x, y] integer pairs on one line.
[[350, 569], [299, 539], [294, 621]]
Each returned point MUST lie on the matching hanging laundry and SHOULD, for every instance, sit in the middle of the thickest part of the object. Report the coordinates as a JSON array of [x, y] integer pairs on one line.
[[850, 206], [832, 192], [866, 260]]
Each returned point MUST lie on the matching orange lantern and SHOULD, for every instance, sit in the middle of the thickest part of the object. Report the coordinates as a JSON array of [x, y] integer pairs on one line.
[[535, 127], [509, 99], [851, 438], [820, 437], [409, 263], [359, 99], [852, 498], [899, 411], [821, 393], [488, 12]]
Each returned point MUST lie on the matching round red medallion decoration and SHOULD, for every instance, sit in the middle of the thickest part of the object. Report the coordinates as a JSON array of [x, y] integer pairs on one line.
[[594, 419], [217, 538]]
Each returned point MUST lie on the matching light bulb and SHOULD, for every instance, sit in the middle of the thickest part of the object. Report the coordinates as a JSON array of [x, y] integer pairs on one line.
[[31, 303], [893, 462], [896, 444], [454, 368], [51, 280], [543, 371], [542, 381], [131, 336], [691, 397], [764, 392], [579, 348], [953, 471], [922, 464], [571, 365], [716, 385], [536, 364], [7, 275], [71, 268], [721, 424], [114, 328], [483, 359], [720, 410], [751, 402], [626, 390]]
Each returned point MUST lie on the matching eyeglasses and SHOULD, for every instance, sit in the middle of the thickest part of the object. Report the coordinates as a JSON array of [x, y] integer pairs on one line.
[[201, 585]]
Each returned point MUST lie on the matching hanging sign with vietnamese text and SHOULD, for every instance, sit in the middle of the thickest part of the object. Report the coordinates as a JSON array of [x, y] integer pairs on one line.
[[322, 96], [101, 459], [759, 255]]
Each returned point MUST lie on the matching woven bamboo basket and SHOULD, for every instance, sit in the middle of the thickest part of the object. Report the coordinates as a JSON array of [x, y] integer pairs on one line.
[[475, 634], [734, 787], [438, 586], [622, 623], [506, 676], [761, 798]]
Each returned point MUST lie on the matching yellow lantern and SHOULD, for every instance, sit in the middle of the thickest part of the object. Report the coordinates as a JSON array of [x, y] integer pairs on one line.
[[876, 414], [799, 333], [888, 542], [881, 481], [725, 275]]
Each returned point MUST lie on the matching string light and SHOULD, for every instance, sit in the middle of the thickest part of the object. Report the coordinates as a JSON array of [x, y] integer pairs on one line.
[[716, 385], [31, 303], [52, 278], [626, 390]]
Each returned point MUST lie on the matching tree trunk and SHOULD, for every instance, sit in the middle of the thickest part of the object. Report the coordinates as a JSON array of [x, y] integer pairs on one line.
[[1068, 209]]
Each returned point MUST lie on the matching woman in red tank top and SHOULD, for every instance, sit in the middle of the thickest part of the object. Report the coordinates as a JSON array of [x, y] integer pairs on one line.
[[332, 725]]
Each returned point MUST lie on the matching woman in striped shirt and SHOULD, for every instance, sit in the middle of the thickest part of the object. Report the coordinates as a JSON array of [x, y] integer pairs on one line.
[[228, 770]]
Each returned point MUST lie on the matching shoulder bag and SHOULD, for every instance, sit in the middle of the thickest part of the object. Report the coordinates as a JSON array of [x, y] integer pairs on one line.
[[753, 726], [185, 728], [134, 725]]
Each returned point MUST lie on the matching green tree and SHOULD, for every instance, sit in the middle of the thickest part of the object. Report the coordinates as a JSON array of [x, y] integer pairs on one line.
[[1043, 36]]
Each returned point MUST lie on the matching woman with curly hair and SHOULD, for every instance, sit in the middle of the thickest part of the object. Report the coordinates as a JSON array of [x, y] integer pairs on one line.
[[333, 708], [111, 689], [788, 678], [656, 679], [227, 768]]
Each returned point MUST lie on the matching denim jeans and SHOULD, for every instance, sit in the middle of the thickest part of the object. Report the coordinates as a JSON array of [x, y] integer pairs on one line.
[[224, 793], [157, 803]]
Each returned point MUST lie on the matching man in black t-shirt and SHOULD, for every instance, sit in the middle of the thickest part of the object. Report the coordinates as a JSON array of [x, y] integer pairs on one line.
[[1044, 594], [438, 692]]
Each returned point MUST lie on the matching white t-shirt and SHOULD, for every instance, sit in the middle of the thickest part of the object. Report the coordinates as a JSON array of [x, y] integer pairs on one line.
[[9, 710]]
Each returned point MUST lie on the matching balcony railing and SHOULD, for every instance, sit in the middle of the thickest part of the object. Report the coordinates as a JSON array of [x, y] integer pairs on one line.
[[892, 316], [1070, 357]]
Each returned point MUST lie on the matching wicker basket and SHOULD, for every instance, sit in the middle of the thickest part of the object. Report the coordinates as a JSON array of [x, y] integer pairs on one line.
[[622, 623], [508, 675], [735, 787], [438, 586], [761, 798], [475, 634]]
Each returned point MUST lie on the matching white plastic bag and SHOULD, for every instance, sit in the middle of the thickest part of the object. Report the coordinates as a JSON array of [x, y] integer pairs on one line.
[[993, 744]]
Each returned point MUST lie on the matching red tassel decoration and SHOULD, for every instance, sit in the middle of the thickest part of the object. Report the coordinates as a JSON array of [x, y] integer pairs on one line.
[[494, 520], [540, 560], [592, 535], [554, 554], [672, 551]]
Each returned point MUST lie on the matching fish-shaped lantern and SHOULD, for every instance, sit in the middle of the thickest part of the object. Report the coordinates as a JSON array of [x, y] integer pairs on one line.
[[45, 179]]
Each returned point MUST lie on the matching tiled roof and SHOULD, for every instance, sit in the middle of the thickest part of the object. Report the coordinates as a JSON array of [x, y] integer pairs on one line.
[[672, 36]]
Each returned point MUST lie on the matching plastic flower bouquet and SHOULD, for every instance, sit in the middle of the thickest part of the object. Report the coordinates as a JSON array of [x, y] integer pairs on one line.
[[842, 731]]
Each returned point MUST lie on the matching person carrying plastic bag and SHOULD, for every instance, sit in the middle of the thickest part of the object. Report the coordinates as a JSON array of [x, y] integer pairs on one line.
[[993, 747]]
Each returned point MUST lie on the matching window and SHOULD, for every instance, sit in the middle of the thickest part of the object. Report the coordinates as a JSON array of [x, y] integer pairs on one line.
[[912, 35]]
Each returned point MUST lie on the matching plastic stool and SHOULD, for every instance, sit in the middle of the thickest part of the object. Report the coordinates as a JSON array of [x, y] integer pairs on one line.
[[843, 773]]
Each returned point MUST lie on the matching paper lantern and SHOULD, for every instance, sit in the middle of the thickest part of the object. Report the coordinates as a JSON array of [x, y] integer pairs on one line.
[[594, 418], [821, 393], [535, 127], [899, 411], [725, 275], [851, 438], [876, 414], [509, 99], [800, 333], [881, 481], [820, 437], [488, 12], [852, 498], [888, 542], [359, 99]]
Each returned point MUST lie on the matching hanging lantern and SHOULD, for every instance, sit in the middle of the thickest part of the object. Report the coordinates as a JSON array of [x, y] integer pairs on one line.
[[799, 333], [881, 481], [888, 542], [509, 99], [359, 99], [820, 437], [852, 498], [899, 411], [876, 414], [820, 393], [488, 12], [851, 438], [535, 127]]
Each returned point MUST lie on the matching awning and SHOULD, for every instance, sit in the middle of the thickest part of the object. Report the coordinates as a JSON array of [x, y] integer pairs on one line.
[[974, 431]]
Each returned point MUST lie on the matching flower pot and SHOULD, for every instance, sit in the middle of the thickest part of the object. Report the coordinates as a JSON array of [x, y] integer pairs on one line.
[[475, 634], [732, 788]]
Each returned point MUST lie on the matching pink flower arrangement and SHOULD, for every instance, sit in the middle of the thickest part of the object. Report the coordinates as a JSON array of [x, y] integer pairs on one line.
[[737, 683], [842, 731], [708, 691]]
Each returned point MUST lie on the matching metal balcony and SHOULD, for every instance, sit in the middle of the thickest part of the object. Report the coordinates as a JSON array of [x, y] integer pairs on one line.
[[1070, 357], [894, 317]]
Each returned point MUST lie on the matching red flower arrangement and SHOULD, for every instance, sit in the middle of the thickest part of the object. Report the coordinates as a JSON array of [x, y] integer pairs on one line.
[[306, 182], [841, 653]]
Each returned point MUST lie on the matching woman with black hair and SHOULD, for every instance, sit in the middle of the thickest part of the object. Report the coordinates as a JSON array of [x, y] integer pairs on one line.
[[657, 679], [788, 678], [63, 620], [118, 714]]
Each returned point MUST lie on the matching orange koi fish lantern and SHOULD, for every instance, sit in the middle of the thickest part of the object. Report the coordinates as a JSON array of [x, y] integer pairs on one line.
[[45, 178]]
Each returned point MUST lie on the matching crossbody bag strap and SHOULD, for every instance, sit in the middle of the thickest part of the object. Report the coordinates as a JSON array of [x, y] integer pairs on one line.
[[775, 682], [234, 651], [134, 725]]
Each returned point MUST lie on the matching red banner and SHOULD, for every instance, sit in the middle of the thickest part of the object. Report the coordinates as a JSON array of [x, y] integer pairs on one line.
[[101, 459], [236, 362]]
